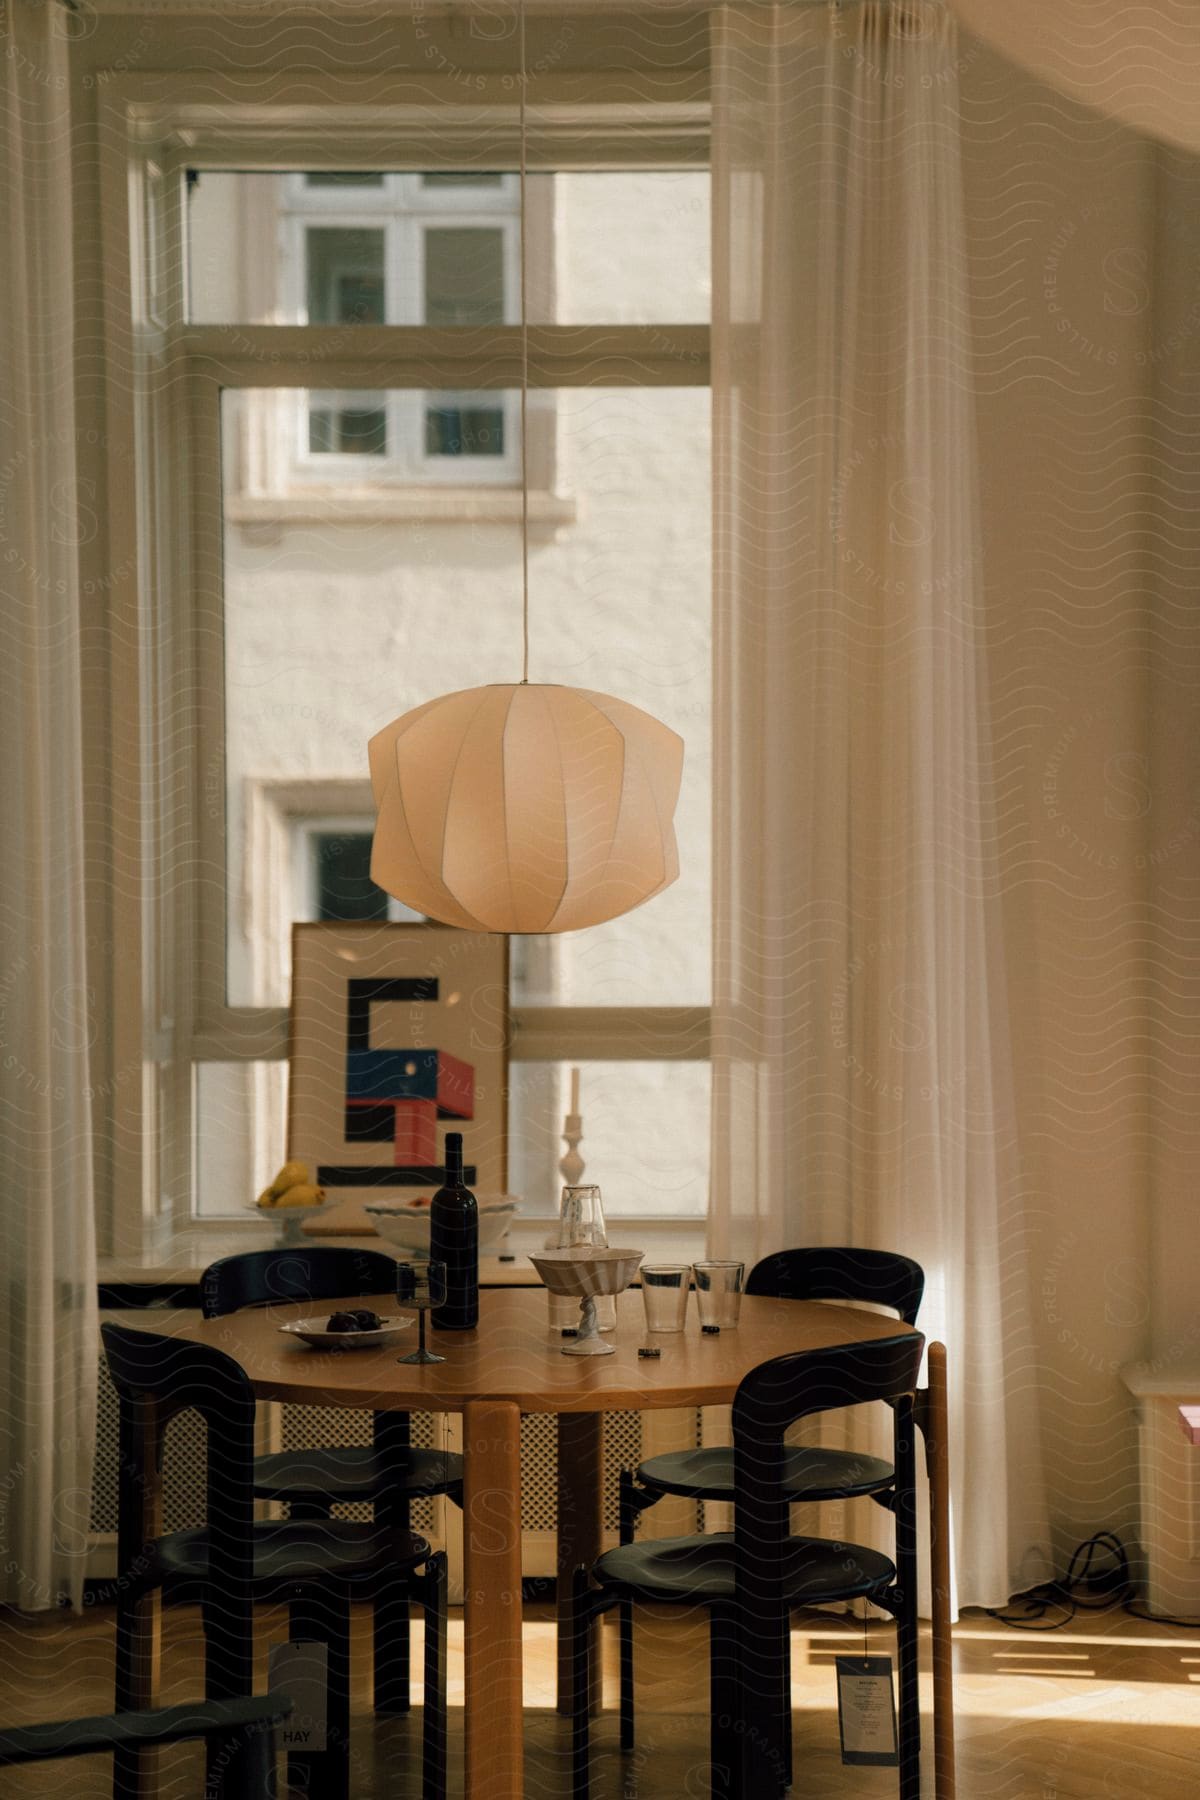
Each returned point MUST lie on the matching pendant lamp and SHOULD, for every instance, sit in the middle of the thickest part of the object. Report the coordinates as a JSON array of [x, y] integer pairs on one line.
[[525, 806]]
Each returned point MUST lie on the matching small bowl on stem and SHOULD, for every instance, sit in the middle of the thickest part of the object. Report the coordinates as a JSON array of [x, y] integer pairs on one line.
[[583, 1274]]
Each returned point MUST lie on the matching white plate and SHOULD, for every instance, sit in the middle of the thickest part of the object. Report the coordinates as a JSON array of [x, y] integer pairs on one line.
[[313, 1331]]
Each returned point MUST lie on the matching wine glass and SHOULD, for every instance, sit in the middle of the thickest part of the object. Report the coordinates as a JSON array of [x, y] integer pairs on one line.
[[422, 1285]]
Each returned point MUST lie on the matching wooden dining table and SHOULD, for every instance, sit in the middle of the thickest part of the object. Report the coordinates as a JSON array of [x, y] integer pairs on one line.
[[512, 1363]]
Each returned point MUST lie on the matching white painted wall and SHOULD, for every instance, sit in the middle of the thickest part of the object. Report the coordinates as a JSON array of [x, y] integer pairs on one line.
[[1085, 254]]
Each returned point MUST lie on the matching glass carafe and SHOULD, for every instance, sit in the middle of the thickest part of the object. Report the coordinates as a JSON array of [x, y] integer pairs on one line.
[[580, 1227]]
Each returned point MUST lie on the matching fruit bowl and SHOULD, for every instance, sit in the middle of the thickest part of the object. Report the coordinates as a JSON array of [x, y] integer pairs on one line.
[[405, 1224], [290, 1198]]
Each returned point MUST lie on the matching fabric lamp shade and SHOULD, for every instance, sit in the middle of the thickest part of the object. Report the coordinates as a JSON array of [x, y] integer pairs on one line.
[[525, 807]]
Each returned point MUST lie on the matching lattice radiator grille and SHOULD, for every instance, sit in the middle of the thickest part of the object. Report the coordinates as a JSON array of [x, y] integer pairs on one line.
[[184, 1454], [539, 1465], [104, 1477], [622, 1449]]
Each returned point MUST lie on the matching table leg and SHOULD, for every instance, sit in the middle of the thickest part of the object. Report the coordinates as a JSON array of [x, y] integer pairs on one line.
[[580, 1439], [937, 1453], [492, 1578]]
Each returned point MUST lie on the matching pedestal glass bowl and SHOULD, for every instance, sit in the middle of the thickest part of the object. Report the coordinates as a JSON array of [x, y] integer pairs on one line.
[[582, 1274]]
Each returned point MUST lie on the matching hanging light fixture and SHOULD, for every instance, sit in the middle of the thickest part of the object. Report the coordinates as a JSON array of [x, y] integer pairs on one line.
[[525, 807]]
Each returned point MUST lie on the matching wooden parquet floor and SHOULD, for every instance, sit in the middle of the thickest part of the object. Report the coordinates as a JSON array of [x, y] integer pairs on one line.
[[1106, 1709]]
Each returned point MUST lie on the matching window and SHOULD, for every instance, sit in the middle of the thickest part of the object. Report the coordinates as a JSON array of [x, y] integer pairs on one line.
[[398, 249], [327, 634], [331, 859], [340, 862], [418, 265], [362, 249], [343, 276], [362, 336]]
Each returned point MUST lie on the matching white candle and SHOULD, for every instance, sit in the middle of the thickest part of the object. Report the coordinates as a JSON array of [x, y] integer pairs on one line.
[[574, 1090]]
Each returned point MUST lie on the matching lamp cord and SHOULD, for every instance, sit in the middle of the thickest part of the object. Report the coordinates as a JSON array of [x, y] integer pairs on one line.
[[524, 369], [1034, 1610]]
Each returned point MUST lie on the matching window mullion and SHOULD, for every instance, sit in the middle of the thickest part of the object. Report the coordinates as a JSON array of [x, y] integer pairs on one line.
[[539, 1034], [407, 406], [449, 356]]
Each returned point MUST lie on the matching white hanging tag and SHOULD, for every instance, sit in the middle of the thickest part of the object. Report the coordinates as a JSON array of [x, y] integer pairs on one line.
[[301, 1670], [867, 1710]]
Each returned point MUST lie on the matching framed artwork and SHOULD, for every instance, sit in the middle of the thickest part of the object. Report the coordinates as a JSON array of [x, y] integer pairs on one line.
[[399, 1033]]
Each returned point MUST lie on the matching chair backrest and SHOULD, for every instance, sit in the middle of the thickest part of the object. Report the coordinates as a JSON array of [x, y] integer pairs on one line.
[[306, 1272], [778, 1393], [838, 1272], [177, 1375], [770, 1398], [156, 1378]]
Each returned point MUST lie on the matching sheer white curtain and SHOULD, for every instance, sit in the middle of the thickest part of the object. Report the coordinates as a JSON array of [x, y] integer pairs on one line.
[[48, 1294], [861, 1063]]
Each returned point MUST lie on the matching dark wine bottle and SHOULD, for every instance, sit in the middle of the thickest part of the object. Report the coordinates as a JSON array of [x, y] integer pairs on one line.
[[454, 1240]]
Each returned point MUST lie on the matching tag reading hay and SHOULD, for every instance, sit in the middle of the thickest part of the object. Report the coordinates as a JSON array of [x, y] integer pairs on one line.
[[300, 1670], [867, 1710]]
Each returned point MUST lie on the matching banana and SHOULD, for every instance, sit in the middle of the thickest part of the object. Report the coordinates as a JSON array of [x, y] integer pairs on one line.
[[291, 1187], [292, 1174], [302, 1193]]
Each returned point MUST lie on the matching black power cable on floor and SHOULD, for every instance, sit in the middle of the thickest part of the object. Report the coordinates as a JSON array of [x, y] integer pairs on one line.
[[1108, 1586]]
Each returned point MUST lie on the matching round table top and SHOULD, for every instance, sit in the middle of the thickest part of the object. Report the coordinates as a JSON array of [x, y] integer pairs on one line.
[[513, 1355]]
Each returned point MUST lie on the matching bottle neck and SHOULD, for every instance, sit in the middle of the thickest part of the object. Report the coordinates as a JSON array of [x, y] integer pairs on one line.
[[454, 1159]]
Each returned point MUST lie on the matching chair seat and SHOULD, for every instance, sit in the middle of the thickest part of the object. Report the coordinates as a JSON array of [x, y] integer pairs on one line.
[[354, 1472], [809, 1474], [320, 1550], [700, 1569]]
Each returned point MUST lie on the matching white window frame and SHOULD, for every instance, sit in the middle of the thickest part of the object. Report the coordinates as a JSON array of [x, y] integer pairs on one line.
[[169, 1005], [404, 211]]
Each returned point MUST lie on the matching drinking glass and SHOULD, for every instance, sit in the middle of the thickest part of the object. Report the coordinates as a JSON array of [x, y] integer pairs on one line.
[[422, 1285], [581, 1219], [581, 1226], [719, 1292], [665, 1295]]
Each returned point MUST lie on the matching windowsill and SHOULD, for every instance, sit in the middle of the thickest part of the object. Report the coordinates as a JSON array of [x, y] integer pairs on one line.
[[1162, 1379], [331, 504], [185, 1256]]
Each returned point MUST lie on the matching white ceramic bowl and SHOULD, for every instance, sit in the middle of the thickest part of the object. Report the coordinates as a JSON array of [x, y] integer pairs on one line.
[[316, 1333], [407, 1227], [580, 1272]]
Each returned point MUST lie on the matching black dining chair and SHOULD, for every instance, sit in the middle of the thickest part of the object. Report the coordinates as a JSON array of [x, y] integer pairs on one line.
[[241, 1730], [881, 1277], [316, 1565], [390, 1473], [752, 1578]]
